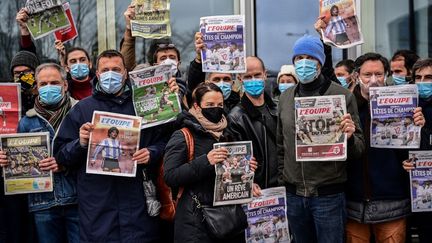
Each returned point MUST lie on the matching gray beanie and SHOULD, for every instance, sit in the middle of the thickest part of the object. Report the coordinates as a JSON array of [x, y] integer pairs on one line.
[[24, 58]]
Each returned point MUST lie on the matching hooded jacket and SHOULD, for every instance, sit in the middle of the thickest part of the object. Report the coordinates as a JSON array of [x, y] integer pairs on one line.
[[111, 208]]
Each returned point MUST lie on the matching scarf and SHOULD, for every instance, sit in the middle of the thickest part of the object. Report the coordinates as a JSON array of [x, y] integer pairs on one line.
[[215, 129], [53, 113]]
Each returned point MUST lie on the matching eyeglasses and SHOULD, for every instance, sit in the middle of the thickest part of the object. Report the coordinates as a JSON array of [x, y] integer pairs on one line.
[[170, 45]]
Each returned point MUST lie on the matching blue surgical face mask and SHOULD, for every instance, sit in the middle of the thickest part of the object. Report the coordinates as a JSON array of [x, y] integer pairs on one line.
[[253, 87], [424, 89], [50, 94], [399, 80], [111, 82], [226, 89], [79, 70], [306, 70], [343, 82], [284, 86]]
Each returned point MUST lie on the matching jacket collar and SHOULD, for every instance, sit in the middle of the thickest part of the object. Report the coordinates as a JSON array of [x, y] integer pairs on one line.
[[32, 112], [252, 111]]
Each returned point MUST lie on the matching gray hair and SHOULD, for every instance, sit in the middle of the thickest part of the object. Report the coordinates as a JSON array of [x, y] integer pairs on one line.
[[50, 65]]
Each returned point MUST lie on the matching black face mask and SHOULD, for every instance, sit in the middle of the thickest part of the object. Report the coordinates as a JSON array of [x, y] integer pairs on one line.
[[213, 114]]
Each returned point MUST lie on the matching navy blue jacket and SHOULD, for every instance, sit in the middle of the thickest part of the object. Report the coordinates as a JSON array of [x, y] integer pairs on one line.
[[64, 191], [111, 208], [379, 174]]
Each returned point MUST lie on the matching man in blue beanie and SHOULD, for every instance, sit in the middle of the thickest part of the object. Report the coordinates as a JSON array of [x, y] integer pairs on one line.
[[315, 189]]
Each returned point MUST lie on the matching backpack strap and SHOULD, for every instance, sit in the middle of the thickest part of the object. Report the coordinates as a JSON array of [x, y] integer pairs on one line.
[[190, 144]]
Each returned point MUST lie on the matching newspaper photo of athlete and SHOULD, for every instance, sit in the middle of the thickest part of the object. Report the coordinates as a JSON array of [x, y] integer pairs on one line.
[[111, 151], [271, 229]]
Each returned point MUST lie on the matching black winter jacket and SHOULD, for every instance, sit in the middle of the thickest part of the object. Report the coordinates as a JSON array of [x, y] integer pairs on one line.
[[247, 123], [196, 176]]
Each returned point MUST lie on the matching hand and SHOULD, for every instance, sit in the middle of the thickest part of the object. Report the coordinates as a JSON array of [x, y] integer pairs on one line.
[[347, 125], [407, 165], [129, 15], [141, 156], [256, 190], [61, 50], [320, 24], [22, 18], [199, 46], [84, 133], [253, 164], [217, 155], [172, 84], [419, 119], [49, 164], [3, 159]]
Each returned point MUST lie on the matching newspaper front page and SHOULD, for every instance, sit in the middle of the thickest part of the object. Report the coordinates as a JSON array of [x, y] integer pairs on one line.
[[152, 98], [392, 122], [319, 136], [224, 41], [10, 107], [45, 17], [68, 33], [234, 178], [24, 151], [267, 217], [152, 19], [421, 181], [343, 27], [113, 141]]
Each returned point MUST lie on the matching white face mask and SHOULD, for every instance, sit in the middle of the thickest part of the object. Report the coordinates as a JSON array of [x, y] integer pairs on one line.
[[173, 64], [373, 82]]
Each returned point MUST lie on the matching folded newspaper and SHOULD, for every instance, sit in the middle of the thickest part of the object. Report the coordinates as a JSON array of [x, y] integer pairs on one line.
[[421, 181]]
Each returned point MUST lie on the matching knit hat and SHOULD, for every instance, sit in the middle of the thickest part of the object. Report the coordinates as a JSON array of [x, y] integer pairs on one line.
[[287, 70], [309, 45], [24, 58]]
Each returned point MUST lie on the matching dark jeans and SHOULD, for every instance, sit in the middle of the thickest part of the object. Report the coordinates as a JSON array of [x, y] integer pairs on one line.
[[317, 219], [58, 224]]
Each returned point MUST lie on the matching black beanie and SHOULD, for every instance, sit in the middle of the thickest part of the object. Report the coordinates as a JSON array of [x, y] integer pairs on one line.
[[24, 58]]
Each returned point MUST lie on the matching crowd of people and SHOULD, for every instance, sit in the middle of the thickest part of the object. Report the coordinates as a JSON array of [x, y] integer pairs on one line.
[[363, 199]]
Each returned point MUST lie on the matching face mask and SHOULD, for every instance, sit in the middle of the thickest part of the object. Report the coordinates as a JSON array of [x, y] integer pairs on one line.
[[173, 64], [373, 82], [226, 89], [285, 86], [26, 80], [79, 70], [50, 94], [343, 82], [424, 90], [306, 70], [399, 80], [213, 114], [111, 82], [254, 87]]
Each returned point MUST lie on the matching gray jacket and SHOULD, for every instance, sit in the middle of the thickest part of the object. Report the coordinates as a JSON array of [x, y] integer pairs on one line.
[[313, 178]]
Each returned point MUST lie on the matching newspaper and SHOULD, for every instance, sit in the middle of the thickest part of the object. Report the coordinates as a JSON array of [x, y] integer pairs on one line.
[[234, 179], [24, 151], [152, 98], [113, 141], [45, 17], [152, 19], [68, 33], [421, 181], [267, 217], [343, 27], [319, 136], [10, 107], [392, 123], [224, 41]]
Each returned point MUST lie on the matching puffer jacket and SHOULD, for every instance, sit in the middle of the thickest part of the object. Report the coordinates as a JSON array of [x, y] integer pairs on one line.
[[196, 176]]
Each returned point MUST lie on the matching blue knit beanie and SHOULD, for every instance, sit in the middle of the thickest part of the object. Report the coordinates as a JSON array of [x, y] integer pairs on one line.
[[309, 45]]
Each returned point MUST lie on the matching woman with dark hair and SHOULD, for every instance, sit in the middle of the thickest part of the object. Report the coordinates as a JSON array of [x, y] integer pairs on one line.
[[206, 122]]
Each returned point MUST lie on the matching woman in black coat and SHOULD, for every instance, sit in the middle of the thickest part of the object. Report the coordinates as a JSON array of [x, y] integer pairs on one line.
[[206, 122]]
